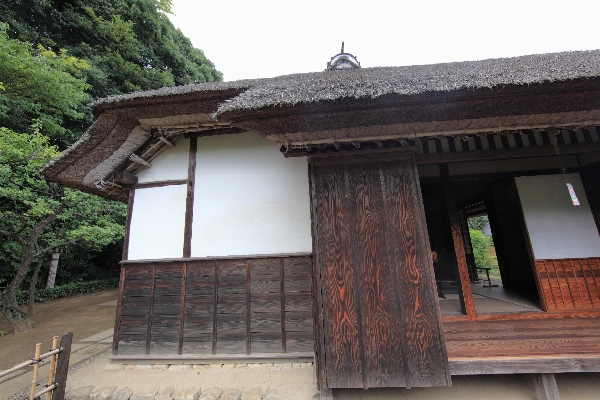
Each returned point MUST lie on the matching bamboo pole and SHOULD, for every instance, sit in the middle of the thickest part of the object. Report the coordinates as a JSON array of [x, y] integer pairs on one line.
[[38, 351], [52, 367], [28, 363]]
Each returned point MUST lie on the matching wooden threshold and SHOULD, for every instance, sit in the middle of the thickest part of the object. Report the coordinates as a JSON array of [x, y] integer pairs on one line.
[[538, 346], [262, 358], [524, 365]]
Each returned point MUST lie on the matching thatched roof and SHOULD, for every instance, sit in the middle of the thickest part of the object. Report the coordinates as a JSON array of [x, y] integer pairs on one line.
[[380, 81], [376, 103]]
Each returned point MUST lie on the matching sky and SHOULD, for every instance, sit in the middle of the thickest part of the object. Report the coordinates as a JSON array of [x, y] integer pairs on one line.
[[261, 39]]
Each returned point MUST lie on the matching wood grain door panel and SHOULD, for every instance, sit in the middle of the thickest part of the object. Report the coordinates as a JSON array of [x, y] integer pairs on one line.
[[379, 318]]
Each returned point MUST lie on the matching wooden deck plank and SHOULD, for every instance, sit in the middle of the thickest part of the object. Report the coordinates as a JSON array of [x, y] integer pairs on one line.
[[541, 346], [522, 337]]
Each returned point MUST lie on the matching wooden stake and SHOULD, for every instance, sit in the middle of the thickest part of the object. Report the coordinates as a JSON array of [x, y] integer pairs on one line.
[[62, 366], [52, 366], [38, 351]]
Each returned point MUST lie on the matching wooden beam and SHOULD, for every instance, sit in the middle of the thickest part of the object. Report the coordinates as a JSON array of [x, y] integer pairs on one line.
[[125, 178], [189, 202], [213, 132], [139, 160], [504, 154], [125, 253], [147, 185], [523, 365], [464, 289], [545, 387], [242, 257]]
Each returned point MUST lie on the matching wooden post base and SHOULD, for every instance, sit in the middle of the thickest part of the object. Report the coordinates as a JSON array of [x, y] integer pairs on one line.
[[326, 394], [545, 387]]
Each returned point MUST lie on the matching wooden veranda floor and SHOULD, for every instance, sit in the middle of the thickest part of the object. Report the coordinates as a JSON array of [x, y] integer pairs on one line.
[[523, 346]]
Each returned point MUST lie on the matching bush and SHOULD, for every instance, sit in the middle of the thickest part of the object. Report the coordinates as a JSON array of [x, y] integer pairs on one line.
[[70, 289], [481, 244]]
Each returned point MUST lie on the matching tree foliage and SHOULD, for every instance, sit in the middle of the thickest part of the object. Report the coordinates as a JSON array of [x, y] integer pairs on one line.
[[129, 44], [55, 56], [33, 212], [39, 84], [481, 245], [477, 223]]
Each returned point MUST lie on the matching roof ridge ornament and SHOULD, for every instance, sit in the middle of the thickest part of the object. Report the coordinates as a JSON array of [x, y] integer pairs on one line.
[[342, 61]]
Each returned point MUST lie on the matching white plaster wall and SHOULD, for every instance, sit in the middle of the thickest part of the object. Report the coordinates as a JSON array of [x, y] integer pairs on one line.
[[170, 164], [557, 228], [157, 223], [249, 199]]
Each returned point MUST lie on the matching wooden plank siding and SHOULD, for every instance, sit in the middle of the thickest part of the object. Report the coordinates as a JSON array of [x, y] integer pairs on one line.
[[569, 284], [379, 323], [212, 307]]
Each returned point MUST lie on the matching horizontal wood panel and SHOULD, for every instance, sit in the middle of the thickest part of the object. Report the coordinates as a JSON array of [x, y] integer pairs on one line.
[[223, 306], [569, 284]]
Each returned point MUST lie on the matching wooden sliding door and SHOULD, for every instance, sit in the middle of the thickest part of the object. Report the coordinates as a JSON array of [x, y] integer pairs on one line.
[[376, 311]]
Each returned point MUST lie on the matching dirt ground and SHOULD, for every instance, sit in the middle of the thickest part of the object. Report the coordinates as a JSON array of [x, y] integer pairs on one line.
[[83, 315], [88, 315]]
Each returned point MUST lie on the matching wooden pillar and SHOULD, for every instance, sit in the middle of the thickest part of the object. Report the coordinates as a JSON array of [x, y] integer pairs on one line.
[[545, 387], [464, 289], [189, 203]]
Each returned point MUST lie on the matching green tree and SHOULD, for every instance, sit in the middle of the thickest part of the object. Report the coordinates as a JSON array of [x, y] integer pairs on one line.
[[477, 223], [129, 44], [29, 206], [481, 244], [39, 84]]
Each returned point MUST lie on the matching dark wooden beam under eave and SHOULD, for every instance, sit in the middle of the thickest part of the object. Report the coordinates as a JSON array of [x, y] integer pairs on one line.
[[464, 288], [189, 202], [506, 154]]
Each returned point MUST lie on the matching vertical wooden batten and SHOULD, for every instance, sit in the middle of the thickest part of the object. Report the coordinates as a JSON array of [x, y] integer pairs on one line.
[[465, 291], [215, 301], [115, 348], [248, 302], [182, 308], [125, 254], [150, 313], [282, 293], [189, 202]]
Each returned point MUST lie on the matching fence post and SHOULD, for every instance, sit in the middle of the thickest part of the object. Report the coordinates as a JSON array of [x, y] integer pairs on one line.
[[62, 366], [52, 367]]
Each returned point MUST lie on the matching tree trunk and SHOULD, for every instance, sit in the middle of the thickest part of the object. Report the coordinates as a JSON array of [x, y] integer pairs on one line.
[[53, 268], [34, 277], [10, 309]]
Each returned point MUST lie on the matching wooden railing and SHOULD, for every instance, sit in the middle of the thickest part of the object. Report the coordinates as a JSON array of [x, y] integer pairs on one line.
[[59, 367]]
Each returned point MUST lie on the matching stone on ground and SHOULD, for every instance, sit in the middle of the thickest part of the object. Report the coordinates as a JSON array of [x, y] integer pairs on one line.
[[211, 394], [102, 393], [271, 395], [187, 394], [146, 394], [253, 394], [165, 394], [82, 393], [231, 394], [122, 394]]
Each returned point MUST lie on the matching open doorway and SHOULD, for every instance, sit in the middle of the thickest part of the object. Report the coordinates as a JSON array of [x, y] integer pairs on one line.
[[494, 243], [489, 293]]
